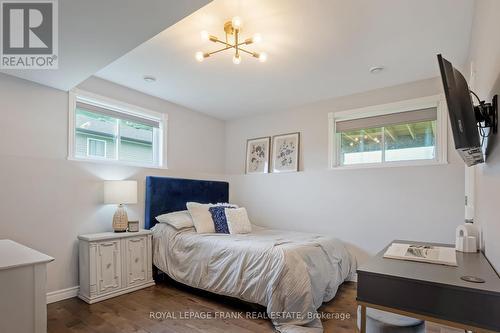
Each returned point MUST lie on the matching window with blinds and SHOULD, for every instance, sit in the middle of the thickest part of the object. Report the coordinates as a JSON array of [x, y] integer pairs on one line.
[[105, 133], [387, 138]]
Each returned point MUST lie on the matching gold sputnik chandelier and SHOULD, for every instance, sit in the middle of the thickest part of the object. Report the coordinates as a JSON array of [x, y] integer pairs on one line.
[[232, 28]]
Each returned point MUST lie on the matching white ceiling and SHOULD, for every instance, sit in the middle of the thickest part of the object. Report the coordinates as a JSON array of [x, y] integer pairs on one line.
[[93, 33], [318, 49]]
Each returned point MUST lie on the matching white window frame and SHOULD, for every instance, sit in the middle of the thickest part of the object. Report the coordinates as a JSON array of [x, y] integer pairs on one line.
[[125, 108], [434, 101], [88, 148]]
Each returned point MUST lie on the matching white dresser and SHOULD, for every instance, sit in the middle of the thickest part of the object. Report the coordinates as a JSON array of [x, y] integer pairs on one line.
[[23, 295], [113, 264]]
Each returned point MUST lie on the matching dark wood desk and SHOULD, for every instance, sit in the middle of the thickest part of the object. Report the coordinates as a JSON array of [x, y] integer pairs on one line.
[[432, 292]]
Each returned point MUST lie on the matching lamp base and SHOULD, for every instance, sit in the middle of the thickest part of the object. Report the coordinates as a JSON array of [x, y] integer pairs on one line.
[[120, 219]]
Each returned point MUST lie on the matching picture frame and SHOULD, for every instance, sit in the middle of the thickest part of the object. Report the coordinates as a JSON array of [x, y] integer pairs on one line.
[[258, 155], [286, 152], [133, 226]]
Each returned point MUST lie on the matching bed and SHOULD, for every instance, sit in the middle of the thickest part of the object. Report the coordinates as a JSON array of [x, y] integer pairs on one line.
[[290, 273]]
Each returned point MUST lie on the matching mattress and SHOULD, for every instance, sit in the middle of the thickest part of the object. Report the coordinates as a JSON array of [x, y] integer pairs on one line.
[[289, 273]]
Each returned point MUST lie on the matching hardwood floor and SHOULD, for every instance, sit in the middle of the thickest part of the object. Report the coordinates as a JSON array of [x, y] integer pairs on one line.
[[173, 303]]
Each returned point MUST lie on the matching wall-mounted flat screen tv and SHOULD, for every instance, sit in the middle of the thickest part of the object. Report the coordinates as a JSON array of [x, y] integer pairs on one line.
[[461, 112]]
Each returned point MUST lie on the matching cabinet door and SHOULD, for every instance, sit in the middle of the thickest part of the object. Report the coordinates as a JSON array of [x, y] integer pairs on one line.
[[108, 266], [136, 260]]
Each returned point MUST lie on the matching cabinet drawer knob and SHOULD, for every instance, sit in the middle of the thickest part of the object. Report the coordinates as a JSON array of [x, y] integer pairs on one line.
[[136, 260], [108, 266]]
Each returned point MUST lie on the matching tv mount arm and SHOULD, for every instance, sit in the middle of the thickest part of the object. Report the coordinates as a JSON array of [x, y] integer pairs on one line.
[[486, 114]]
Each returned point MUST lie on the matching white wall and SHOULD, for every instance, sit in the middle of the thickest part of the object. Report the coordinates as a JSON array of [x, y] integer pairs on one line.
[[367, 208], [485, 57], [46, 200]]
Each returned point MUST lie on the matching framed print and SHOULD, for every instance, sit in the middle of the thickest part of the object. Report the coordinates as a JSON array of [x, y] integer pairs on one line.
[[286, 152], [133, 226], [257, 160]]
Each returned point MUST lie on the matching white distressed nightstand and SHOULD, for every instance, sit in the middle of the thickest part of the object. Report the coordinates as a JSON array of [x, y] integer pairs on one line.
[[113, 264]]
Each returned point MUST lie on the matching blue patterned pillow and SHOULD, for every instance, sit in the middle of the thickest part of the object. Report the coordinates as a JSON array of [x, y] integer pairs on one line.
[[219, 218]]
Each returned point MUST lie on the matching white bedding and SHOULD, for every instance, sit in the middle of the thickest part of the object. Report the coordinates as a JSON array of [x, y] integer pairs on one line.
[[290, 273]]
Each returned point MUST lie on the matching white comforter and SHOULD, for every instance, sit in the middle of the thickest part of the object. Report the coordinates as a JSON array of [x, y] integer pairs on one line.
[[290, 273]]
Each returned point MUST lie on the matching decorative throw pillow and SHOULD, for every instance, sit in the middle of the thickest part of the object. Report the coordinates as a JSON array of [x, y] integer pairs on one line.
[[202, 218], [219, 218], [237, 221], [178, 220]]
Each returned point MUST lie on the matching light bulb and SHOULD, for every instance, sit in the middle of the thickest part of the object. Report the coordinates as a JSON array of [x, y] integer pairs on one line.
[[236, 59], [204, 35], [199, 56], [262, 56], [257, 38], [236, 22]]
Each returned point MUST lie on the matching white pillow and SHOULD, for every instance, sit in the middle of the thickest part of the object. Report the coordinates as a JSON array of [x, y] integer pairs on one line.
[[178, 220], [201, 216], [237, 221]]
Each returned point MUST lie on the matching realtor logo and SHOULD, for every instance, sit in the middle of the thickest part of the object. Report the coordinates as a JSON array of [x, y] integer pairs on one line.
[[29, 37]]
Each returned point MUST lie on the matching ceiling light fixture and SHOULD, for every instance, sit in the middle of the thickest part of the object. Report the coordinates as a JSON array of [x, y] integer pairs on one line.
[[232, 28]]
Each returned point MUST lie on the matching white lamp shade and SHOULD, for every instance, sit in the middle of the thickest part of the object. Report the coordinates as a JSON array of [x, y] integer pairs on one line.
[[120, 192]]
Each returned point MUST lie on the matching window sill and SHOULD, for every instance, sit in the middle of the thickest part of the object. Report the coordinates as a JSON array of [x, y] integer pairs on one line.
[[116, 163], [389, 165]]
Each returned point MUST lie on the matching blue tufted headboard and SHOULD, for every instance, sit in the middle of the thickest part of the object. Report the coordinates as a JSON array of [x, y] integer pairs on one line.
[[166, 195]]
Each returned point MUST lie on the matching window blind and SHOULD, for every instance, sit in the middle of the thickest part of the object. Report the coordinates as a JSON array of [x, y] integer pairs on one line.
[[415, 116], [117, 114]]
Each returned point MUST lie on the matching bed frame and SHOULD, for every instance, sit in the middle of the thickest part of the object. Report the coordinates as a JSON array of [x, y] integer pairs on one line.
[[166, 195]]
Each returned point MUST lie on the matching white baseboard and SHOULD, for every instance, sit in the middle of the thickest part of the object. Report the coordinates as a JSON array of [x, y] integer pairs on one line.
[[115, 293], [59, 295]]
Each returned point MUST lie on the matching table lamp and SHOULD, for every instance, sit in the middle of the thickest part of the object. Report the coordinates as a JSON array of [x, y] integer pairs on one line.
[[120, 192]]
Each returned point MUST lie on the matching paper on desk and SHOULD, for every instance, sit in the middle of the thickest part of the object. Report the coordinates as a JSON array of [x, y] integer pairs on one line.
[[422, 253]]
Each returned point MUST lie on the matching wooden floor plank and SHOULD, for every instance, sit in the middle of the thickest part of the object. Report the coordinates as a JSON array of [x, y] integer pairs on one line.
[[131, 313], [60, 320]]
